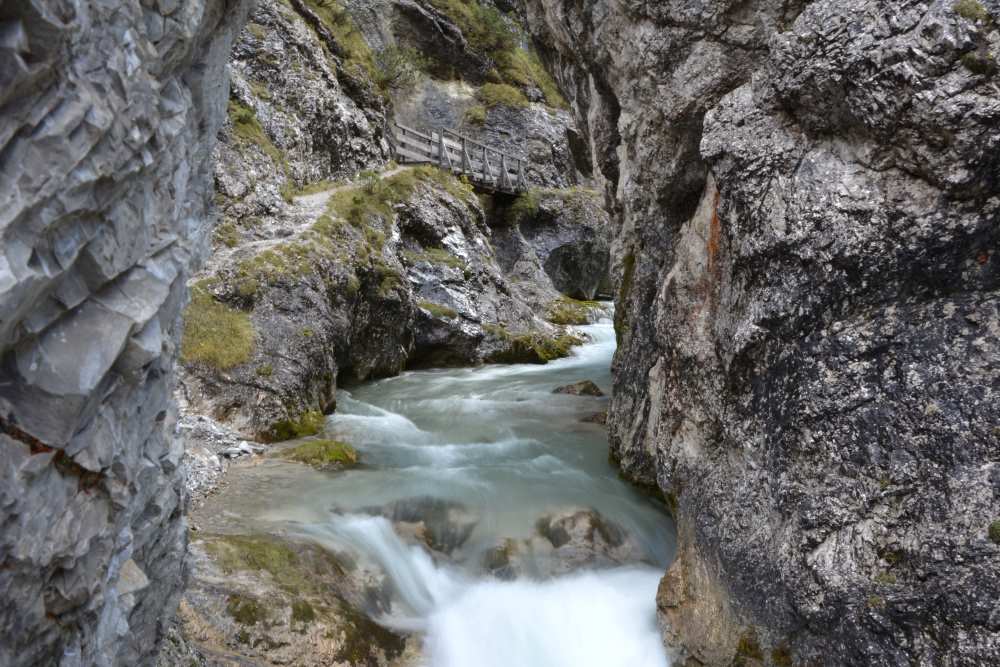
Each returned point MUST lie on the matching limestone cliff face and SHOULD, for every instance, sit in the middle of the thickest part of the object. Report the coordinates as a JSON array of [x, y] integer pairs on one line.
[[108, 116], [806, 198]]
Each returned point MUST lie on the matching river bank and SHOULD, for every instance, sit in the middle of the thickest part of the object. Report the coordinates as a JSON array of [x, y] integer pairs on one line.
[[482, 506]]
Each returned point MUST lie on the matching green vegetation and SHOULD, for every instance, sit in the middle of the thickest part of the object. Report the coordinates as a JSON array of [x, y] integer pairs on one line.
[[971, 10], [309, 423], [994, 532], [885, 578], [265, 370], [378, 196], [628, 276], [981, 63], [781, 656], [215, 334], [263, 553], [437, 310], [530, 348], [257, 30], [303, 612], [566, 310], [322, 454], [356, 52], [476, 115], [524, 68], [434, 256], [490, 34], [227, 235], [502, 94], [247, 128], [524, 208], [748, 650], [397, 68], [245, 610]]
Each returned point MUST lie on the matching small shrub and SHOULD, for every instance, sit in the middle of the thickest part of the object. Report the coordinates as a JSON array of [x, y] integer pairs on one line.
[[971, 10], [476, 115], [437, 310], [994, 532], [397, 68], [502, 94], [982, 64], [214, 333]]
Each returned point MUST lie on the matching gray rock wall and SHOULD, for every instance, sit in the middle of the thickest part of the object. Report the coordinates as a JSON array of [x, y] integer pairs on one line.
[[108, 116], [806, 242]]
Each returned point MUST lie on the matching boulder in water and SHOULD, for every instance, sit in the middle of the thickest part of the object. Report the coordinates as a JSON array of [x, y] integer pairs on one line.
[[442, 525], [597, 418], [582, 388]]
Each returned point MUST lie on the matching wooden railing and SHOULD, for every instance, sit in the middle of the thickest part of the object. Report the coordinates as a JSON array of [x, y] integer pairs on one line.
[[485, 167]]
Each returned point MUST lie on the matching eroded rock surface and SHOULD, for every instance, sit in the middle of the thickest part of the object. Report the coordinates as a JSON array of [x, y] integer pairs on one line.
[[805, 198], [110, 112]]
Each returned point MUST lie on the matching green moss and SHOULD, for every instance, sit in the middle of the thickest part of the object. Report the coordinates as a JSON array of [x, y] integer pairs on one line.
[[748, 649], [994, 532], [434, 256], [247, 128], [437, 310], [215, 334], [245, 610], [524, 68], [482, 25], [303, 612], [971, 10], [524, 208], [227, 235], [531, 348], [622, 304], [981, 63], [360, 635], [257, 30], [476, 115], [338, 20], [322, 454], [885, 578], [502, 94], [309, 423], [874, 602], [265, 370], [567, 311], [263, 553], [781, 655]]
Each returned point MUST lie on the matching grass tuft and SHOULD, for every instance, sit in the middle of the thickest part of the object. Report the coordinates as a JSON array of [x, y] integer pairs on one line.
[[323, 454], [214, 333]]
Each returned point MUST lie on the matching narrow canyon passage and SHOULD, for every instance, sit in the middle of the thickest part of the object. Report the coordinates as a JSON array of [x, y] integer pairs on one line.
[[487, 513]]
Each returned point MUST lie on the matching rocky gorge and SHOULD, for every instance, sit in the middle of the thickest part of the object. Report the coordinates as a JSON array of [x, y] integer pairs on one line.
[[213, 272]]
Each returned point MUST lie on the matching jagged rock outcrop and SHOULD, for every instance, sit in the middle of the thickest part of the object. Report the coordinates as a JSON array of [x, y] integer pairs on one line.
[[806, 205], [110, 112], [365, 280]]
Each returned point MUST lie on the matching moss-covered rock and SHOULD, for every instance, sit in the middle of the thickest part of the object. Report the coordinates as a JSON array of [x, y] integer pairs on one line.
[[306, 424], [322, 454], [566, 310], [215, 334]]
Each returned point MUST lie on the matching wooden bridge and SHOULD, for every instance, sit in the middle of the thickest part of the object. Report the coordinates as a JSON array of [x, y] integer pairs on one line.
[[485, 167]]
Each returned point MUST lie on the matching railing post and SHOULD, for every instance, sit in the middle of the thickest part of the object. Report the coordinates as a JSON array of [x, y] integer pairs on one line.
[[444, 158], [504, 183], [466, 161]]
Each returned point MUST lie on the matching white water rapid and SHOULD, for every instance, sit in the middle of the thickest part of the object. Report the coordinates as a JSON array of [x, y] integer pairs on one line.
[[472, 462]]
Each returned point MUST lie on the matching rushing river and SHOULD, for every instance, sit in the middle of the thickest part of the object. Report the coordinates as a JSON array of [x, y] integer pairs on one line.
[[487, 453]]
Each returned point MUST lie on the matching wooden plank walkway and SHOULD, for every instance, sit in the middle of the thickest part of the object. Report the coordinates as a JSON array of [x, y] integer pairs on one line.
[[485, 167]]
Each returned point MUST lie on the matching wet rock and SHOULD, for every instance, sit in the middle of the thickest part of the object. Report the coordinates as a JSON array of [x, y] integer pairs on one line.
[[262, 599], [443, 525], [581, 388], [797, 264], [597, 418], [110, 113]]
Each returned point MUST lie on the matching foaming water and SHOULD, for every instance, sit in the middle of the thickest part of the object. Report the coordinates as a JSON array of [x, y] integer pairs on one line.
[[488, 453]]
